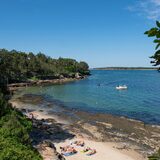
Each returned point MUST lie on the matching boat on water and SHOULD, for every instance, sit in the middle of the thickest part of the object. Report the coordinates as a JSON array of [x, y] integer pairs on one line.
[[121, 87]]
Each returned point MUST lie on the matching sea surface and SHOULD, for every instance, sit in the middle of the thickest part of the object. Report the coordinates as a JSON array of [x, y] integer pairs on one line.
[[97, 93]]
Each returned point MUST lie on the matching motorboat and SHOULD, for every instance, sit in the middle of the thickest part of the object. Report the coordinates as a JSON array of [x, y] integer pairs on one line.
[[121, 87]]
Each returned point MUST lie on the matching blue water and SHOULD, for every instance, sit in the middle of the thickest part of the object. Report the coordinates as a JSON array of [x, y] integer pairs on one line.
[[141, 101]]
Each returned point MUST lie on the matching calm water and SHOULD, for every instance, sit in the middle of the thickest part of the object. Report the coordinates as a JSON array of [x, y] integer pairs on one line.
[[141, 101]]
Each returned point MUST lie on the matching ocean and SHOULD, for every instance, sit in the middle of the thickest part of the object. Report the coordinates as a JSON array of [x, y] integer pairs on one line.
[[97, 93]]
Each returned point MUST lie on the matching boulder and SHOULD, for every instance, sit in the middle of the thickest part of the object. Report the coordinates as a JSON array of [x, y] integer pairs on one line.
[[48, 151], [77, 76]]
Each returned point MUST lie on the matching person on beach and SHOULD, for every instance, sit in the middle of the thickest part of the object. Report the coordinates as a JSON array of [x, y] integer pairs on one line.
[[72, 150], [92, 151], [31, 116], [86, 149], [78, 143], [64, 149], [67, 151]]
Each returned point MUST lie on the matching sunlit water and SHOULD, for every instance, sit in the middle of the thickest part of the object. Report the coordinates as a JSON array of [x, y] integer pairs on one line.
[[97, 93]]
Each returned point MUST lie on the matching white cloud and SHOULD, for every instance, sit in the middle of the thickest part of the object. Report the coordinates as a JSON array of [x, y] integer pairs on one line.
[[156, 2], [147, 8]]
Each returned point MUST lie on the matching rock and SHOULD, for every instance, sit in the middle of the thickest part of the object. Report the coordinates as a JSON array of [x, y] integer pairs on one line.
[[61, 76], [48, 151], [77, 76], [59, 156], [23, 110], [48, 143]]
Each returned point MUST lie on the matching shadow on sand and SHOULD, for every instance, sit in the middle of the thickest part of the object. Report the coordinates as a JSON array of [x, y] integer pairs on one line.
[[49, 130]]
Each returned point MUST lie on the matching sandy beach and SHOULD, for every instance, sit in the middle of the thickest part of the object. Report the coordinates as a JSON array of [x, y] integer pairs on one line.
[[112, 151], [105, 150]]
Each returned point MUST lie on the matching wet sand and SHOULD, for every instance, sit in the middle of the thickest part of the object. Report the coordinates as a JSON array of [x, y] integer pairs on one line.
[[112, 136]]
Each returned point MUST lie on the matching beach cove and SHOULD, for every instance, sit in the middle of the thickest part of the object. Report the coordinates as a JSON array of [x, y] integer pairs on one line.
[[80, 80], [97, 94], [61, 122], [118, 136]]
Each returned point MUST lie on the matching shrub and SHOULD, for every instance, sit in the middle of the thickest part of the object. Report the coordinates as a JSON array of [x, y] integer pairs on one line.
[[15, 143], [155, 156]]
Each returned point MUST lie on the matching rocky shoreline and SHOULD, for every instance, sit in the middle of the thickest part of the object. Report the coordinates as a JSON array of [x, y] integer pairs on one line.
[[43, 136], [129, 134], [15, 86]]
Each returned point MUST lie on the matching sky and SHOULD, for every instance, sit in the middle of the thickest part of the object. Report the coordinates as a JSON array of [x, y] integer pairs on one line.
[[101, 32]]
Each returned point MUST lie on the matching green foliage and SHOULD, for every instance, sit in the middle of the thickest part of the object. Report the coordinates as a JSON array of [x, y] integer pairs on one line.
[[19, 66], [15, 143], [155, 156], [34, 78], [83, 67], [11, 150], [14, 127], [155, 32], [14, 138], [3, 105]]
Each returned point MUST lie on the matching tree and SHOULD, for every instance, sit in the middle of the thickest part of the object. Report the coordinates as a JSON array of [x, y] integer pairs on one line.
[[155, 32], [18, 66], [83, 68]]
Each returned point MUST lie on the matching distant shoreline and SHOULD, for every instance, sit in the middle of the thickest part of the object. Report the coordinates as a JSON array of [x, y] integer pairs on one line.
[[125, 68]]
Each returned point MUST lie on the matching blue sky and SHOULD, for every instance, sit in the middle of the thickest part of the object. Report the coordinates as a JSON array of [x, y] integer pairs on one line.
[[100, 32]]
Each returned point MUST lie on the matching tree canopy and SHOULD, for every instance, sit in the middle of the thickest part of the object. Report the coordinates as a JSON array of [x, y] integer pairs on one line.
[[18, 66], [155, 32], [15, 142]]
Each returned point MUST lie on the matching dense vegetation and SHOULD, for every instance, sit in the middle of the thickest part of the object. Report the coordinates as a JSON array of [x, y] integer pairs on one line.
[[155, 156], [19, 66], [15, 143], [155, 32]]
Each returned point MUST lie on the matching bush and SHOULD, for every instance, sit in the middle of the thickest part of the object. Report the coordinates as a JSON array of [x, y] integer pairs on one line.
[[3, 105], [155, 156], [14, 129], [15, 143], [10, 149]]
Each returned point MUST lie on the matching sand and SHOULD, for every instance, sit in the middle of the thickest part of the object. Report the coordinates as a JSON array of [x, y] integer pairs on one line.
[[105, 151]]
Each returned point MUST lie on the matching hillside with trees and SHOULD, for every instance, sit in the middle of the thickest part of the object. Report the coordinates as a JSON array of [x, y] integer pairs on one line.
[[18, 66], [15, 67]]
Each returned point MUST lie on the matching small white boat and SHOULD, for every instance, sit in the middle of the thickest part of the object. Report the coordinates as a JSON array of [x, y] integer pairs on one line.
[[121, 87]]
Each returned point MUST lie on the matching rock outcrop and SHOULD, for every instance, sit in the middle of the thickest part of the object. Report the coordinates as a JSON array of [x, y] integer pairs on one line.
[[48, 151]]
